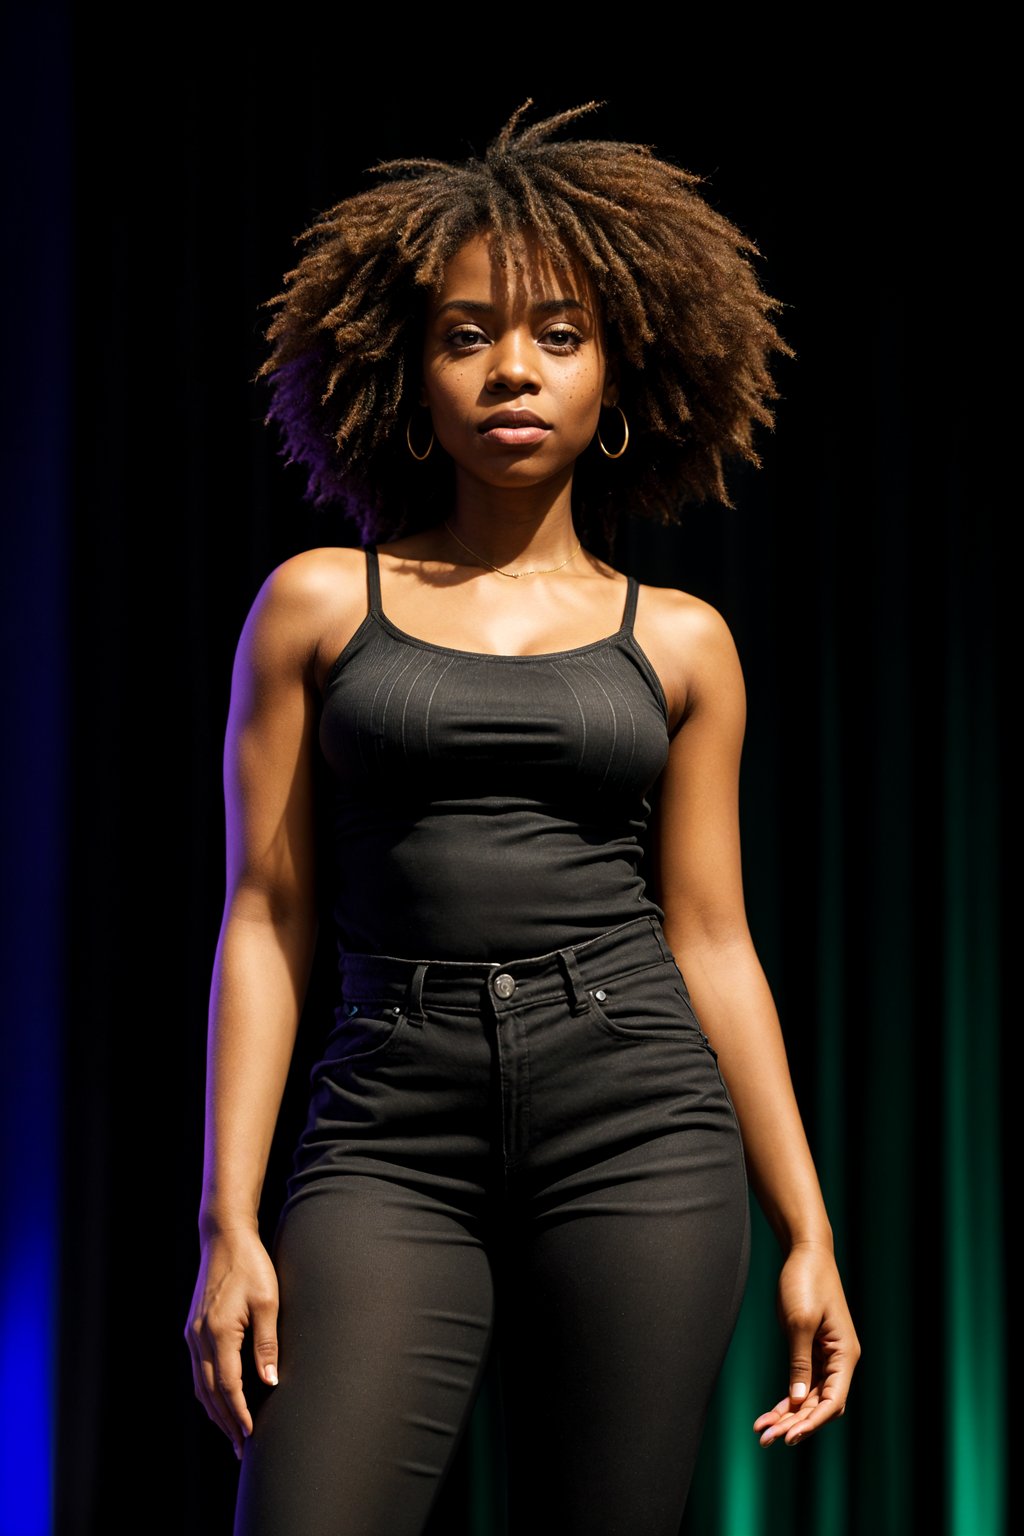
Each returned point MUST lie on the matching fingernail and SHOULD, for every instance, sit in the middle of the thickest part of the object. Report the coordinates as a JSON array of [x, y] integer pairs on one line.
[[272, 1375], [798, 1389]]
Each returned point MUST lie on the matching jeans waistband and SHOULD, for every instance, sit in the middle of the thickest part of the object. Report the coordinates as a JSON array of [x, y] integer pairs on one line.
[[465, 983]]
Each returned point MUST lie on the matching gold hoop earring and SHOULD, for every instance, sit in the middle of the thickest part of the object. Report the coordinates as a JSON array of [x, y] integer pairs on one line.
[[625, 440], [418, 456]]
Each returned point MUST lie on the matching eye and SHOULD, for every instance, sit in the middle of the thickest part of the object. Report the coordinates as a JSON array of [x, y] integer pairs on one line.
[[462, 337], [562, 338]]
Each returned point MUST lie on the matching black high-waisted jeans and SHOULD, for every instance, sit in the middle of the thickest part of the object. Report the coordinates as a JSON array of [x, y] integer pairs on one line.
[[541, 1153]]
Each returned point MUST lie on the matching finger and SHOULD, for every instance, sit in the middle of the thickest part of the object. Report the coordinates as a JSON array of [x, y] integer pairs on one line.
[[831, 1405], [772, 1415], [803, 1428], [208, 1373], [264, 1340], [794, 1428], [227, 1368], [801, 1347], [826, 1400], [204, 1376], [782, 1406], [777, 1430], [222, 1409], [777, 1426]]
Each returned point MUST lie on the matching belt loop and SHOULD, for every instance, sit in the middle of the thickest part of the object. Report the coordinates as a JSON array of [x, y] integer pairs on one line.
[[414, 994], [573, 980], [656, 929]]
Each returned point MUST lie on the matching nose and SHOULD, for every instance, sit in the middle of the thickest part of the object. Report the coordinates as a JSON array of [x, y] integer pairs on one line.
[[512, 365]]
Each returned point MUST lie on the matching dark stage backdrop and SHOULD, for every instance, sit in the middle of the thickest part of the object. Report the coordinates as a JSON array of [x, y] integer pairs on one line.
[[161, 189]]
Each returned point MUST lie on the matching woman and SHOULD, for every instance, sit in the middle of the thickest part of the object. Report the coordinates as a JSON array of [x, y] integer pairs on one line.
[[516, 772]]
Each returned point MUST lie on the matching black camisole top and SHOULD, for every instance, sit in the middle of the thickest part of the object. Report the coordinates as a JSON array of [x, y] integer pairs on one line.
[[484, 807]]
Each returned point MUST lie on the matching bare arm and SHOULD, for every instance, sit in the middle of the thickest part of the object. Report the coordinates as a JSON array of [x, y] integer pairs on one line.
[[260, 977], [696, 851]]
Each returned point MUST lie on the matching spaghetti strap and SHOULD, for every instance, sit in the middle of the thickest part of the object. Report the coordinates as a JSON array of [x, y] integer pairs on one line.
[[629, 613], [373, 577]]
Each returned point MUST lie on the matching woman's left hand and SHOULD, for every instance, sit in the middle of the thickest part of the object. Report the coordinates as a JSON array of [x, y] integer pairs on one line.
[[823, 1346]]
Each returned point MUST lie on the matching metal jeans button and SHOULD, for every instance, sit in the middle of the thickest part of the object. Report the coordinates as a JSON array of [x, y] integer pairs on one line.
[[504, 984]]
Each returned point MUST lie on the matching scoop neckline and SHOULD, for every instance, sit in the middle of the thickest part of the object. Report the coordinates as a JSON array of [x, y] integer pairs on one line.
[[624, 632], [453, 650], [376, 611]]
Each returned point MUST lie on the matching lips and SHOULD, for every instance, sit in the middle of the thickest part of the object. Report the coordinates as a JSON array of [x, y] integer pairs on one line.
[[514, 429], [513, 419]]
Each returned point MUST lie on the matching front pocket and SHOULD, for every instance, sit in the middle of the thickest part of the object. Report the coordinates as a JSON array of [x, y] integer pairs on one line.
[[364, 1027], [645, 1004]]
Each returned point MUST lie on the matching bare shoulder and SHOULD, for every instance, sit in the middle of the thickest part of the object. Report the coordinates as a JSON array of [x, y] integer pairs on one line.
[[681, 616], [690, 645], [303, 604]]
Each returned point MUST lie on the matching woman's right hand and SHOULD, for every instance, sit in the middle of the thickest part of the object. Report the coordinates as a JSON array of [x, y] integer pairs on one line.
[[236, 1290]]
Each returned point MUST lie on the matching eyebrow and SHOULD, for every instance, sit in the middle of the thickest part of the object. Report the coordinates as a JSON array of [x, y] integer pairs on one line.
[[543, 307]]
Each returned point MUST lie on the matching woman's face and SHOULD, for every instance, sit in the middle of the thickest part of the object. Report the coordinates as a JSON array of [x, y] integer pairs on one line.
[[514, 366]]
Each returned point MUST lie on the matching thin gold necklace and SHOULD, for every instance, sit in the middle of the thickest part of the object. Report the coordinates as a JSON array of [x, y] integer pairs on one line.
[[515, 575]]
